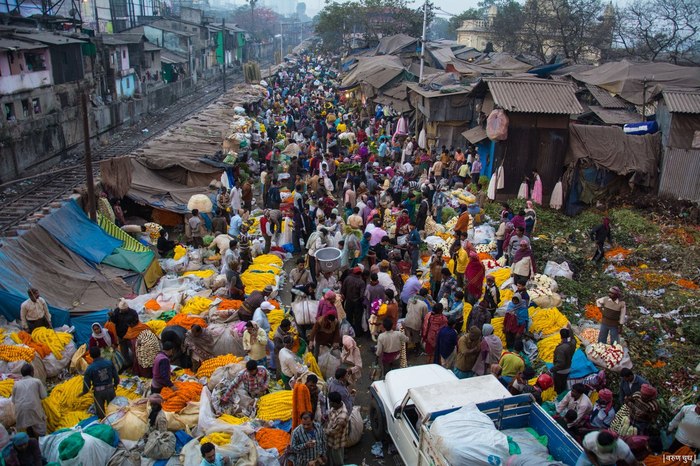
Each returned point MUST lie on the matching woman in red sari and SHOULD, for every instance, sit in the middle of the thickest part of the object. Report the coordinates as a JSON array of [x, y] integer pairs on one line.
[[432, 324], [474, 276]]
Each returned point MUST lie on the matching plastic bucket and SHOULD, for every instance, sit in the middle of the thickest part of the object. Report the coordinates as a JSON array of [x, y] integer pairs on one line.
[[328, 259]]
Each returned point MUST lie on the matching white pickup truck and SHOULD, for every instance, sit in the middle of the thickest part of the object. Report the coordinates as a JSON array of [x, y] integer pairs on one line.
[[407, 401]]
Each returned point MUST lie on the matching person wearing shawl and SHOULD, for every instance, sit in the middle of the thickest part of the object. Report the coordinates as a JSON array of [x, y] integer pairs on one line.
[[516, 320], [326, 305], [367, 211], [157, 420], [446, 344], [325, 332], [603, 411], [474, 276], [524, 265], [530, 218], [468, 350], [351, 357], [434, 321], [364, 247], [200, 344], [643, 408], [100, 337], [491, 348]]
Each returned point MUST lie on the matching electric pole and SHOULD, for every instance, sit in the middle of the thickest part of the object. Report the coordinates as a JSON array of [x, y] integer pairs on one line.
[[223, 51], [422, 46], [92, 212]]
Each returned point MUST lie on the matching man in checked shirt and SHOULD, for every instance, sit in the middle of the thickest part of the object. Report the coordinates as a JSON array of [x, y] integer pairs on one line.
[[309, 443]]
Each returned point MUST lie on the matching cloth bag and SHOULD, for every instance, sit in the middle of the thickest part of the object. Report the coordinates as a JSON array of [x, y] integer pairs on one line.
[[160, 445]]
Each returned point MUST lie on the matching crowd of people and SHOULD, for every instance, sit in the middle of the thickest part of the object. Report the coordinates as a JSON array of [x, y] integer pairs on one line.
[[357, 180]]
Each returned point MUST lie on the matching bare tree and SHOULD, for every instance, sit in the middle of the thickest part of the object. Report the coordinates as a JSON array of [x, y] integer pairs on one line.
[[659, 29]]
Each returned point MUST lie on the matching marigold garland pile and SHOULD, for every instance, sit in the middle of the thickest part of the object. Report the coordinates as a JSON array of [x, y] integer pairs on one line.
[[547, 321], [207, 368], [56, 341], [6, 387], [157, 326], [196, 305], [64, 406], [229, 304], [275, 406], [11, 353], [187, 321], [217, 438], [273, 438], [230, 419], [176, 400], [23, 338]]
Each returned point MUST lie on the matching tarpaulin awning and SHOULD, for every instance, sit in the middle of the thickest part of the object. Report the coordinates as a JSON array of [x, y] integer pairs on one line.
[[629, 80], [67, 281], [147, 187], [72, 228], [610, 148]]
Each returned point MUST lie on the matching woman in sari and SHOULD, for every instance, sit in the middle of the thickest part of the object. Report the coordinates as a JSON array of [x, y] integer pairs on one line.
[[200, 344], [434, 321], [491, 349], [351, 357], [523, 263], [474, 275], [516, 320], [101, 338]]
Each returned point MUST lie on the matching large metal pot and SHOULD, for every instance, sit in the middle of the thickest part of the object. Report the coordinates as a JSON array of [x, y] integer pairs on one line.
[[329, 259]]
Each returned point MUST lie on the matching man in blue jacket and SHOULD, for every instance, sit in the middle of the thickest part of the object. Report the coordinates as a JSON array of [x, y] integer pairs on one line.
[[102, 376]]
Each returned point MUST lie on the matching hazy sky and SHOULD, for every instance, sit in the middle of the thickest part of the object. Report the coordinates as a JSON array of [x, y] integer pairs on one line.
[[451, 6]]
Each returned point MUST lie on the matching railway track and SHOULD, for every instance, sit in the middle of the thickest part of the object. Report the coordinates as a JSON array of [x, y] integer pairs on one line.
[[38, 195]]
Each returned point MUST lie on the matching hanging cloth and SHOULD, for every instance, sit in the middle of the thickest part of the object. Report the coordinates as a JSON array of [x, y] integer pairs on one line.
[[557, 199], [491, 192], [522, 192], [422, 139], [501, 177], [537, 190]]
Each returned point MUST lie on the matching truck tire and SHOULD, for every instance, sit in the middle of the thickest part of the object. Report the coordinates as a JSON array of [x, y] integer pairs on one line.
[[377, 421]]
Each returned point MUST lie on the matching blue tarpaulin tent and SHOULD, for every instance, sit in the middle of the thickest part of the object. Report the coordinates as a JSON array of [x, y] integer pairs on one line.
[[72, 228], [72, 286]]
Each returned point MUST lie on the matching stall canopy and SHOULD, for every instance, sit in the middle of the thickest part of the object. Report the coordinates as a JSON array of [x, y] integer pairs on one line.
[[610, 148], [629, 80], [147, 187], [70, 284], [103, 243], [71, 227]]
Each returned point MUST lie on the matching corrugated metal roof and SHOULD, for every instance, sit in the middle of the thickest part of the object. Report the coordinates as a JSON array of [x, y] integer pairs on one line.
[[682, 101], [534, 96], [51, 38], [679, 174], [604, 98], [7, 43], [614, 116], [475, 135], [169, 57]]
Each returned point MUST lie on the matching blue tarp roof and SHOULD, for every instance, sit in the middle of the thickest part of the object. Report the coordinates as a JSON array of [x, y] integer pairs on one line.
[[72, 228], [73, 287]]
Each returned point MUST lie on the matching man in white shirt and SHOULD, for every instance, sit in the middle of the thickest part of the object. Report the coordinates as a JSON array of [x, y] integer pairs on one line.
[[604, 449], [34, 312], [576, 400], [687, 427], [389, 345], [289, 362], [195, 224]]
